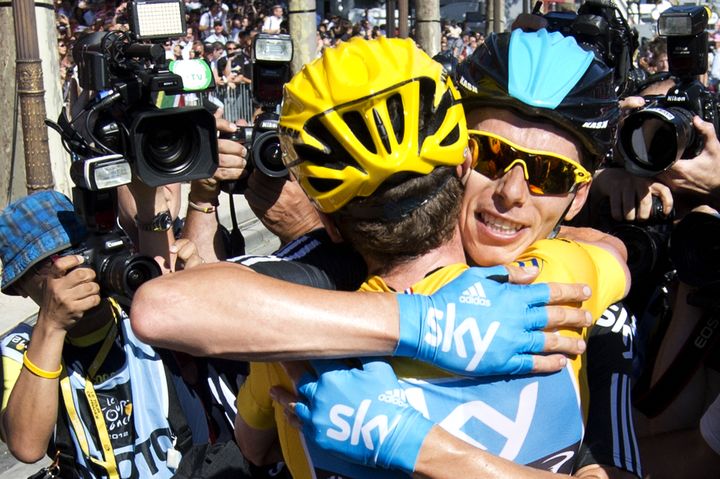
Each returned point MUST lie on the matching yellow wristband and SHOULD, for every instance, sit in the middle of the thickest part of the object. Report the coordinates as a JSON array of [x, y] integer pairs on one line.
[[39, 371]]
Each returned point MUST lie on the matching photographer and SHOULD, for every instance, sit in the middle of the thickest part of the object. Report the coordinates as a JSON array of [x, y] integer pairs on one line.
[[234, 65], [673, 157], [82, 347]]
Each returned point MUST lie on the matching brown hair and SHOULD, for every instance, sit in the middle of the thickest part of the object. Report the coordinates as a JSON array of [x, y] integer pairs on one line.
[[432, 204]]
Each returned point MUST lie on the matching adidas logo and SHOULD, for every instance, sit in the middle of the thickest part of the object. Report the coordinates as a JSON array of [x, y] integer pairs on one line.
[[393, 396], [475, 294]]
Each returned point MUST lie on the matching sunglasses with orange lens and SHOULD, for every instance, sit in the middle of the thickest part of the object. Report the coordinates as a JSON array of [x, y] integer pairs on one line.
[[546, 173]]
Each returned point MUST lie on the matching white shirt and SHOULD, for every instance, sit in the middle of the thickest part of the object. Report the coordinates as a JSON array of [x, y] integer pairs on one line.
[[271, 24]]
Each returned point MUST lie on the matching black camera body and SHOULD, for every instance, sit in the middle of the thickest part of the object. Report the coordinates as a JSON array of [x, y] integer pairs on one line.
[[599, 26], [647, 243], [653, 138], [122, 133], [118, 268], [162, 145]]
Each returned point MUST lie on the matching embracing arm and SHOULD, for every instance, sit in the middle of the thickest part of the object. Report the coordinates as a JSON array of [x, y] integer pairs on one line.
[[609, 243], [412, 444], [224, 309], [443, 455], [250, 316]]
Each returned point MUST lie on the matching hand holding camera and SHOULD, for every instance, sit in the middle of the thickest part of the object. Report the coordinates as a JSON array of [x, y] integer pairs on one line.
[[232, 160], [630, 196], [69, 290], [656, 136], [271, 70], [701, 176]]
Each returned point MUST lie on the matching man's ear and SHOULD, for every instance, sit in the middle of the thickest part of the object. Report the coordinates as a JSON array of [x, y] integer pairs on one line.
[[463, 170], [581, 196], [330, 227]]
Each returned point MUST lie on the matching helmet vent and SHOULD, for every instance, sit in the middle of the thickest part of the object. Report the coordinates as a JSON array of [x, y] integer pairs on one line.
[[382, 131], [357, 125], [427, 92], [335, 155], [452, 137], [397, 116], [323, 185]]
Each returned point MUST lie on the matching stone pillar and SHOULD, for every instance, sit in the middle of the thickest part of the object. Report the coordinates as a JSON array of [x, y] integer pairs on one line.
[[403, 16], [38, 172], [12, 157], [427, 26], [301, 20], [390, 18]]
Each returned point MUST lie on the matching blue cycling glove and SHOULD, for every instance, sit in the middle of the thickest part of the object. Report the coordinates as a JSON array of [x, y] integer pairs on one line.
[[475, 325], [361, 415]]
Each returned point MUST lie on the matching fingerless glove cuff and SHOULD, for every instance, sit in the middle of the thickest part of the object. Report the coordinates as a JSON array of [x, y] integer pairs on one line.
[[412, 312]]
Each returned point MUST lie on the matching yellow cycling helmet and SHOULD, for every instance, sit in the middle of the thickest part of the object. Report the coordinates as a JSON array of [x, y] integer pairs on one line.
[[365, 111]]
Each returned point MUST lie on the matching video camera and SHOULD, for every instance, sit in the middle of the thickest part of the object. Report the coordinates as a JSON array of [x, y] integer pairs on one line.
[[271, 70], [599, 26], [654, 137], [123, 133]]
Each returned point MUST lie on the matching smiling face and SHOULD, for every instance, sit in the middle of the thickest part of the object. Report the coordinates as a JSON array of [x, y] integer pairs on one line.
[[500, 218]]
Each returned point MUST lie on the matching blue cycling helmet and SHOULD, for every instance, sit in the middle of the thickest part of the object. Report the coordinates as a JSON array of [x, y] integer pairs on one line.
[[545, 75]]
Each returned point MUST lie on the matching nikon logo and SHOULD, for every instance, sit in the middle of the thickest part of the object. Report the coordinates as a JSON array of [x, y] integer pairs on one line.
[[676, 99], [595, 125]]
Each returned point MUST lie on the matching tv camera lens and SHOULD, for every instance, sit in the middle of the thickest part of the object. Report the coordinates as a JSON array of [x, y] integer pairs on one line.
[[170, 147]]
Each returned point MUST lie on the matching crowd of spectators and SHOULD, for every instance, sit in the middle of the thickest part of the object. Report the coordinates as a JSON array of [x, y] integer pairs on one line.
[[222, 33]]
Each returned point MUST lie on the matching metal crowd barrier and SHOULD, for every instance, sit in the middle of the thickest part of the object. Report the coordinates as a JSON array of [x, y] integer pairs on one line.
[[237, 102]]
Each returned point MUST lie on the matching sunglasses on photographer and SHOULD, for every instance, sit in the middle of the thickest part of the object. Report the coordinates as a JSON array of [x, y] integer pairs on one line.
[[546, 173]]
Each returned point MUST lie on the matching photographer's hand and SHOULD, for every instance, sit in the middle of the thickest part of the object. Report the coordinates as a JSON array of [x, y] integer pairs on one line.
[[183, 255], [201, 225], [67, 293], [629, 196], [700, 176]]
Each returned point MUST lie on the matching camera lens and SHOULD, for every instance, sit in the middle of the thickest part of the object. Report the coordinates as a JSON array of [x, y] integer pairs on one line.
[[124, 273], [267, 155], [173, 145], [169, 147], [646, 247], [652, 139]]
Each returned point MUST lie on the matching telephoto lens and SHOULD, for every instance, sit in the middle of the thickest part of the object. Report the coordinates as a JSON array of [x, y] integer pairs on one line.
[[652, 139]]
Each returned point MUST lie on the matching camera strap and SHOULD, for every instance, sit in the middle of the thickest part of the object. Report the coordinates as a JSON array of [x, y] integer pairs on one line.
[[703, 340], [109, 463]]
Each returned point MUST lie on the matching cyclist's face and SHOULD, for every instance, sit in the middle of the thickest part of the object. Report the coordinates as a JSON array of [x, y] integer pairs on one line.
[[500, 217]]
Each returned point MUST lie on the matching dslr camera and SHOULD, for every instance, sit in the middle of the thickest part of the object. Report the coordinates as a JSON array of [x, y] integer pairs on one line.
[[122, 131], [271, 70], [653, 138], [599, 26], [119, 269]]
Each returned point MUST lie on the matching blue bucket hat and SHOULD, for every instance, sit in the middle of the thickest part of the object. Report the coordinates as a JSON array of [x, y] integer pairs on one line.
[[32, 229]]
